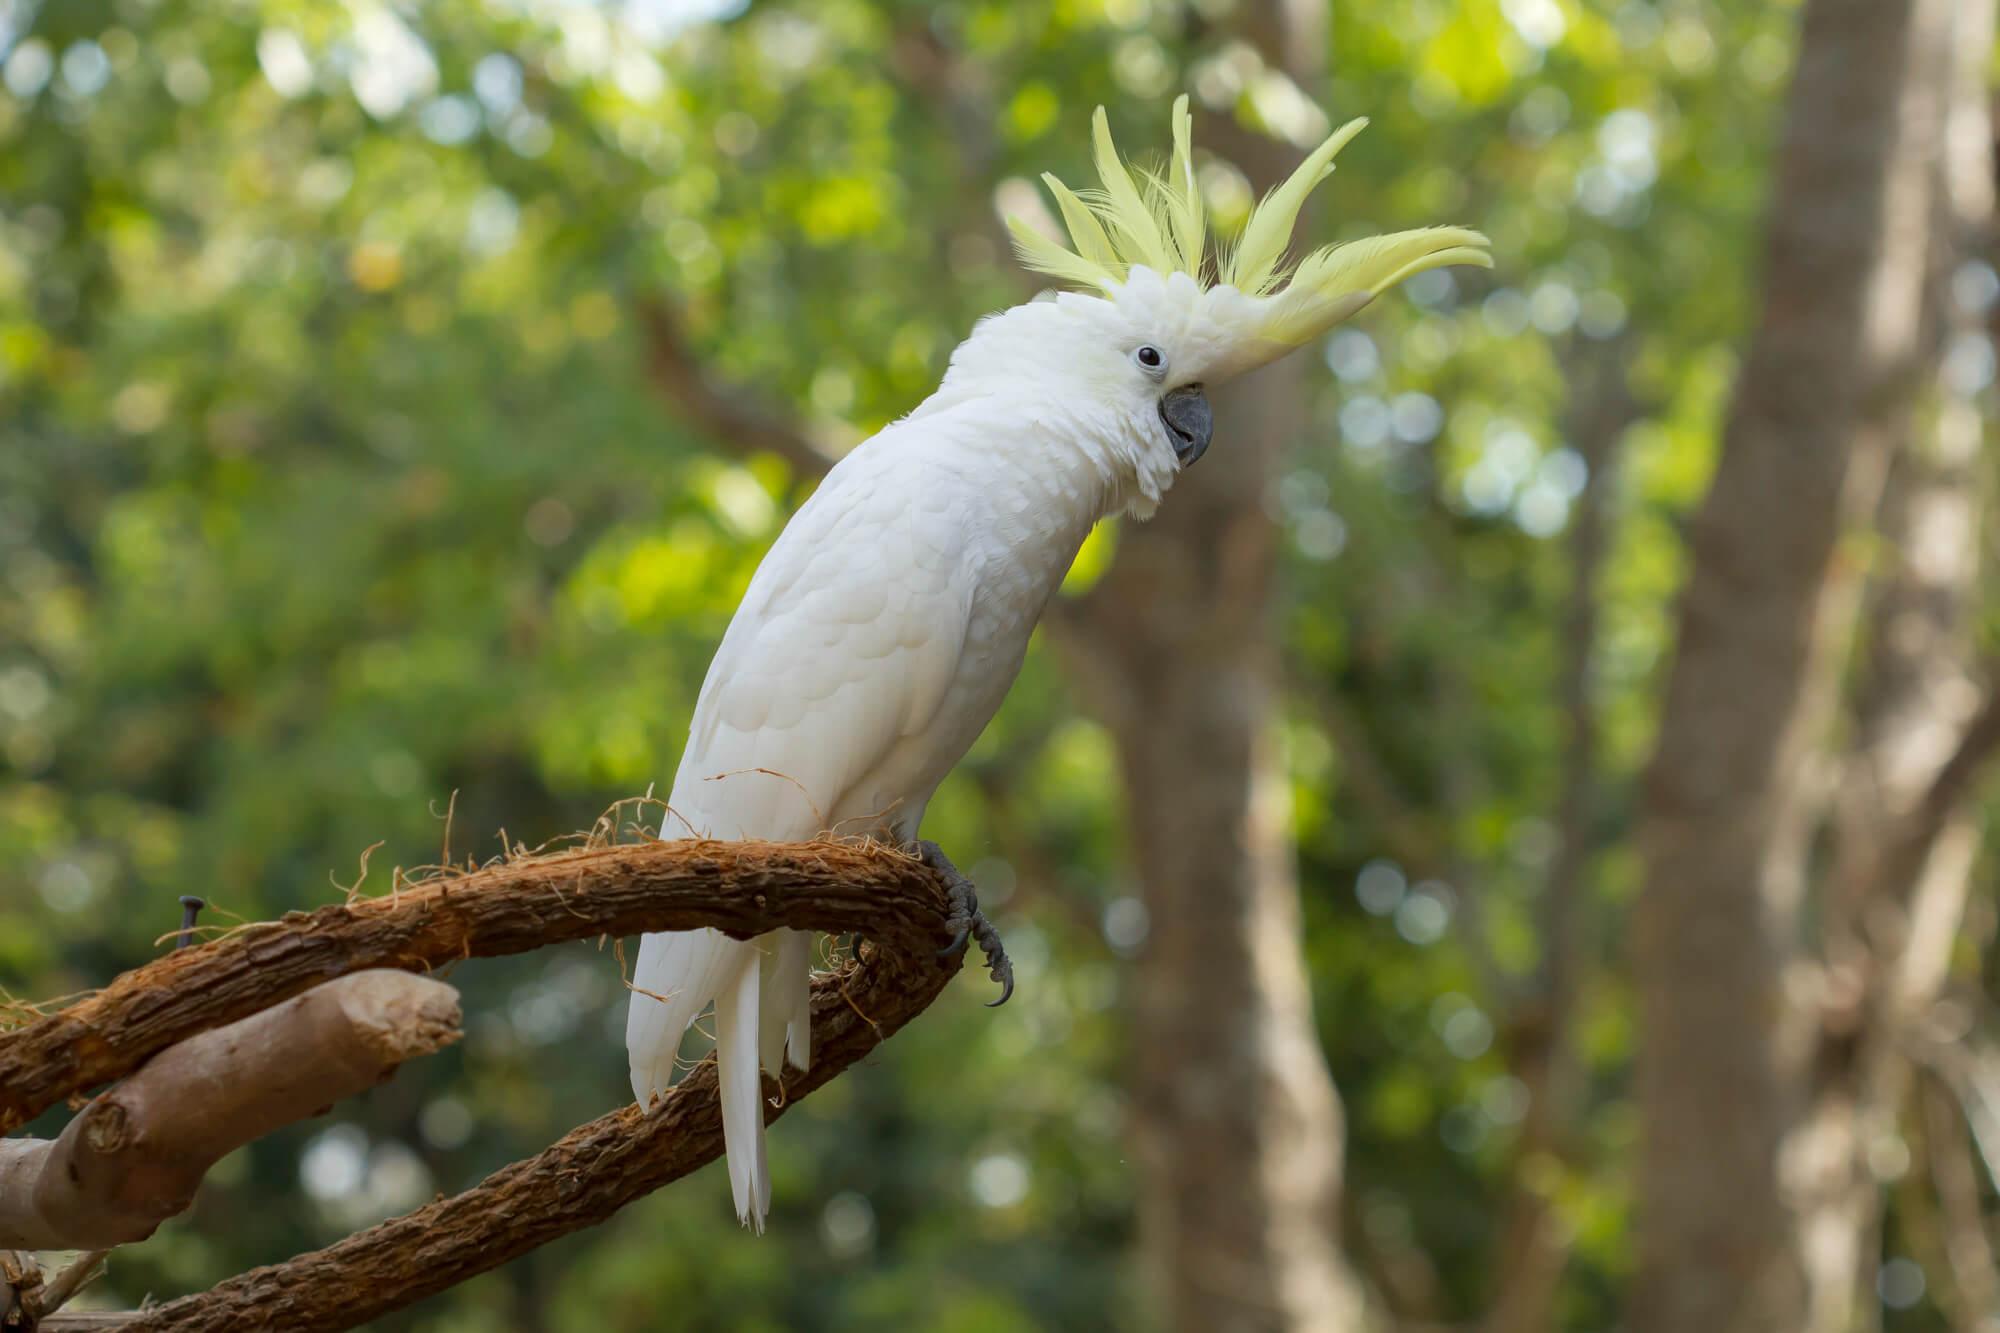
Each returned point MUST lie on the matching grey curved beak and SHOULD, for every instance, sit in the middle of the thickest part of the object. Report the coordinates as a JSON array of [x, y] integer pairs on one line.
[[1184, 412]]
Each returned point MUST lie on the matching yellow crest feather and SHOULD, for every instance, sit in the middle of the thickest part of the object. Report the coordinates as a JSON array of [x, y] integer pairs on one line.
[[1127, 213], [1085, 231], [1040, 253], [1163, 227], [1182, 193], [1254, 267]]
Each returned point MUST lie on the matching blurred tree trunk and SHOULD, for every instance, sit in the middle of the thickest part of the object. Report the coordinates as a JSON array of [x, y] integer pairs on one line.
[[1238, 1123], [1732, 792], [1894, 902], [1237, 1119]]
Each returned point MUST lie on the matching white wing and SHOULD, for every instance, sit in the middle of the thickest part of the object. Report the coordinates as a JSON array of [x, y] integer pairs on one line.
[[846, 642]]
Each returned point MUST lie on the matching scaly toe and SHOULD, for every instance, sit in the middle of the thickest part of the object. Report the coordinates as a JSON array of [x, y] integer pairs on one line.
[[1004, 974], [967, 922]]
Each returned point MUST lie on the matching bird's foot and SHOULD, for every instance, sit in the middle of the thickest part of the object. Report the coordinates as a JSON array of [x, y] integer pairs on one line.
[[967, 921]]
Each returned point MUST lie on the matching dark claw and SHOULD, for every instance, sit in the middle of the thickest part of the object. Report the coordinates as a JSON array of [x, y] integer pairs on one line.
[[968, 922]]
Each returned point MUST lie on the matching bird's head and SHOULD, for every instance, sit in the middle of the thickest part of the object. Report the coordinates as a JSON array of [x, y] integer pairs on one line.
[[1158, 322]]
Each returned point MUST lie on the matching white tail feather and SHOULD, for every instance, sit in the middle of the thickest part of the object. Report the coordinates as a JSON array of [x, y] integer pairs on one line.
[[737, 1073], [786, 1021], [770, 1010], [762, 993], [676, 976]]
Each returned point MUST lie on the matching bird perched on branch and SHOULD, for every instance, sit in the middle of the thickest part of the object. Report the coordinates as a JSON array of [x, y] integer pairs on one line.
[[890, 618]]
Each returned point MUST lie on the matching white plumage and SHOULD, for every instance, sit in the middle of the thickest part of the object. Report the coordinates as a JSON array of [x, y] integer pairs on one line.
[[889, 619], [874, 643]]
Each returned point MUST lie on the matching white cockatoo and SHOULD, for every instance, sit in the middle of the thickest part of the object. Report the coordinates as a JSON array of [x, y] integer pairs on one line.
[[889, 619]]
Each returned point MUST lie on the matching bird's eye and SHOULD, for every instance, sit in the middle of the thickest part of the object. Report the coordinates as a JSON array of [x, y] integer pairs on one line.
[[1151, 357]]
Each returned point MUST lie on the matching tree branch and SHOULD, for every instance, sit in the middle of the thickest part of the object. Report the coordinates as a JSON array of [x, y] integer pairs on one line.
[[20, 1283], [70, 1280], [959, 95], [1970, 1070], [741, 888], [731, 415], [1890, 867], [137, 1154], [1977, 746], [1967, 1248], [578, 1182]]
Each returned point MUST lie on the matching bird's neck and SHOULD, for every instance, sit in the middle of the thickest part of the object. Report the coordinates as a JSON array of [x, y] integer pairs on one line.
[[1086, 461], [1040, 496]]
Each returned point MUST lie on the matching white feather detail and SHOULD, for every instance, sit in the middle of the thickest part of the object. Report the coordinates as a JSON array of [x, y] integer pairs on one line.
[[784, 1022], [676, 976], [741, 1083], [876, 639]]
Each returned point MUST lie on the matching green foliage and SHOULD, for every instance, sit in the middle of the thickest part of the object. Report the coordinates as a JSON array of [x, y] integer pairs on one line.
[[332, 483]]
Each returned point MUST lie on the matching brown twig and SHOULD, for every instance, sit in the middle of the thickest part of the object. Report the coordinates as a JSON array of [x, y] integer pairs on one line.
[[72, 1279], [20, 1283], [741, 888], [580, 1181], [136, 1155]]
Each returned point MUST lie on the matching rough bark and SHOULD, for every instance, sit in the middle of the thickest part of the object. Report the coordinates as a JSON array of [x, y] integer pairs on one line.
[[578, 1182], [1830, 375], [135, 1156], [742, 888]]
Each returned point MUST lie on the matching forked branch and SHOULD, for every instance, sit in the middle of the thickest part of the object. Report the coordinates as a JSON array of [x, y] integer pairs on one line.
[[578, 1182], [136, 1155], [742, 888]]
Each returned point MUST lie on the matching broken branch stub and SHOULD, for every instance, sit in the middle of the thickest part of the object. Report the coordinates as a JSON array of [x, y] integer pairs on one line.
[[579, 1181], [135, 1156]]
